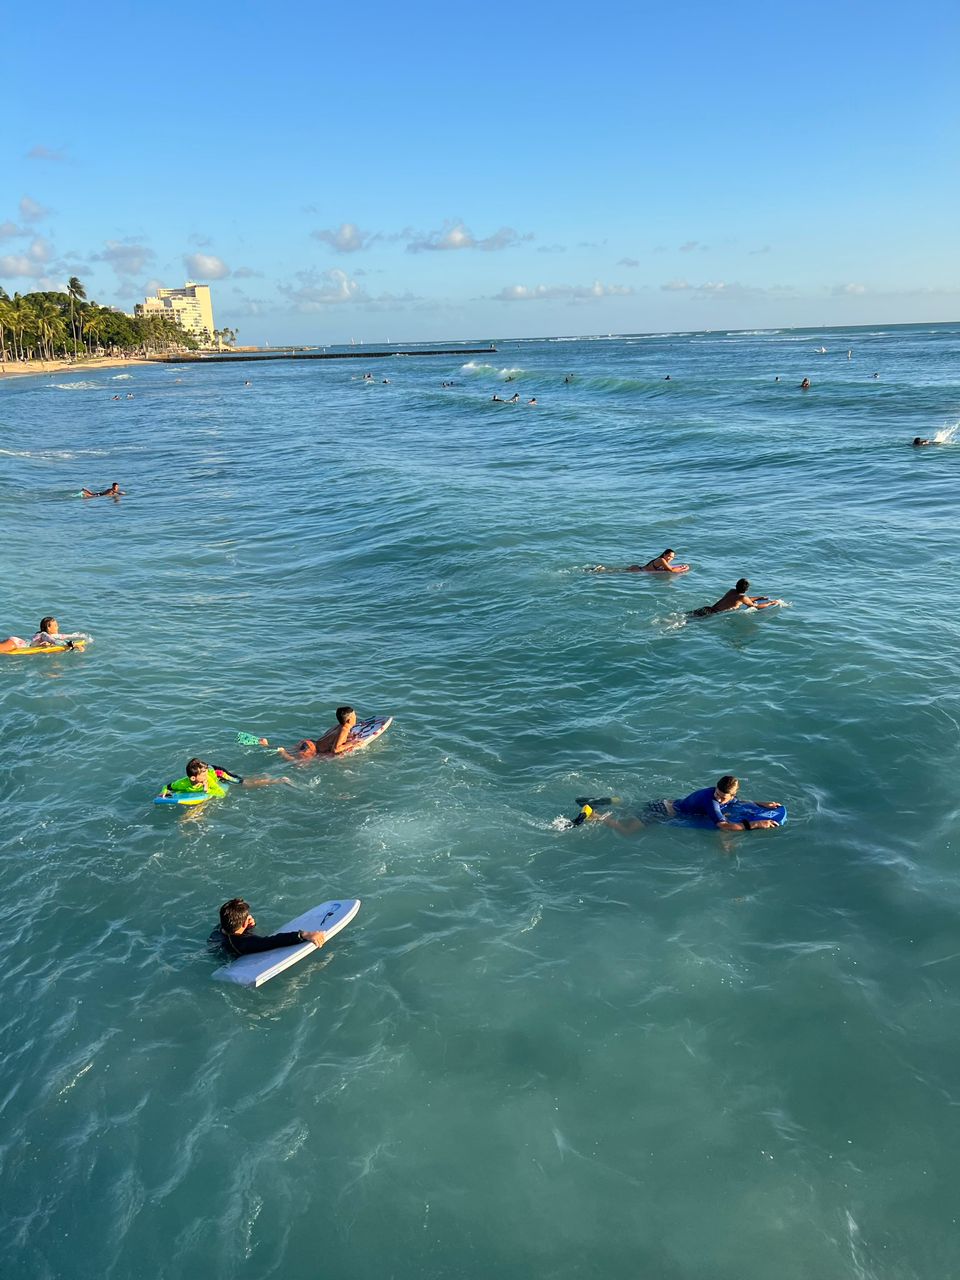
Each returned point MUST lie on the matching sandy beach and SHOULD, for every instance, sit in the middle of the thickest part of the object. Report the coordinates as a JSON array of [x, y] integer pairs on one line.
[[29, 368]]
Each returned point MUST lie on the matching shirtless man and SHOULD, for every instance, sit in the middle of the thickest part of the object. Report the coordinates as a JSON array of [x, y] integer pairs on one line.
[[662, 563], [333, 742], [735, 598], [918, 441], [113, 492]]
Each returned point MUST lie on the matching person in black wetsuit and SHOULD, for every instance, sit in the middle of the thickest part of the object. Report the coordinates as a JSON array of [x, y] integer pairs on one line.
[[236, 932]]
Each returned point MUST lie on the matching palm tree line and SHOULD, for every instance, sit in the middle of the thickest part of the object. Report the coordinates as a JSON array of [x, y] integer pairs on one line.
[[53, 326]]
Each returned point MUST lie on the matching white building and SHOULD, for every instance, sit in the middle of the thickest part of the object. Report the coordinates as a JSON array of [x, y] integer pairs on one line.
[[190, 306]]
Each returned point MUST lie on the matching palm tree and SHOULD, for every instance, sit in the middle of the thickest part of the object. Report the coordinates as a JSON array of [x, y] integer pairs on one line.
[[76, 293], [95, 324]]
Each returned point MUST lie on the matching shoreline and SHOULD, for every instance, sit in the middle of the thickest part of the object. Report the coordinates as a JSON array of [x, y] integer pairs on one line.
[[11, 370]]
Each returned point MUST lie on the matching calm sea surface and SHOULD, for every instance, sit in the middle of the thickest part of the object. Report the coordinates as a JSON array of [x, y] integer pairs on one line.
[[536, 1052]]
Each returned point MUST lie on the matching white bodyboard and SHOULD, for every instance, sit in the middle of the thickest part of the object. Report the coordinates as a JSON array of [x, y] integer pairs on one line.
[[255, 970]]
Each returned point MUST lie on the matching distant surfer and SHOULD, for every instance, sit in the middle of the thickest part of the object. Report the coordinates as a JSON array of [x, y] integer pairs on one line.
[[532, 401], [918, 442], [735, 598], [113, 492], [662, 563], [499, 400], [235, 932], [708, 803], [514, 398], [331, 743], [805, 385]]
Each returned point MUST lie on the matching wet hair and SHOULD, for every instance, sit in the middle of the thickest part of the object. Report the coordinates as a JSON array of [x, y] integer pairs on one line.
[[918, 439], [727, 783], [45, 623], [233, 915], [742, 585], [669, 552], [343, 712], [195, 766]]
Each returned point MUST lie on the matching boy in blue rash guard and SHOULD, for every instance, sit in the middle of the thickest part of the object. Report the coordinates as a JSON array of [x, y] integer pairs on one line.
[[706, 803]]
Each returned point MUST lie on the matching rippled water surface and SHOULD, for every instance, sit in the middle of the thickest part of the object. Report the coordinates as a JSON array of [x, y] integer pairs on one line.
[[537, 1051]]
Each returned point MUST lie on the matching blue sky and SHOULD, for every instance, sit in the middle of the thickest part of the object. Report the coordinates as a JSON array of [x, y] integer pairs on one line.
[[442, 171]]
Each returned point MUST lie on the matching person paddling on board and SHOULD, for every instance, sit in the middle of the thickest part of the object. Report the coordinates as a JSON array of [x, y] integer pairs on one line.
[[113, 492], [235, 932], [213, 781], [707, 803], [735, 598], [333, 743], [48, 637], [918, 441], [662, 563]]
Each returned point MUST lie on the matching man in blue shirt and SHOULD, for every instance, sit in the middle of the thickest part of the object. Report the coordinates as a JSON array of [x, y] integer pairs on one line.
[[706, 803]]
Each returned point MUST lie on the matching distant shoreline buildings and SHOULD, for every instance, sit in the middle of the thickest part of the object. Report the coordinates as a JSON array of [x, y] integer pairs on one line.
[[191, 307]]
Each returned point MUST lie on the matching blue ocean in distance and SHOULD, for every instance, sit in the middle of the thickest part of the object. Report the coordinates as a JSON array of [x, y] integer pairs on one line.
[[537, 1051]]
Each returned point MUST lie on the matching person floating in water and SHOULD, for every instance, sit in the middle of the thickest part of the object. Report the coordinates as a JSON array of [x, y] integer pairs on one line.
[[333, 743], [918, 441], [568, 378], [210, 779], [235, 932], [805, 385], [532, 401], [707, 803], [662, 563], [498, 400], [514, 398], [48, 637], [735, 598], [113, 492]]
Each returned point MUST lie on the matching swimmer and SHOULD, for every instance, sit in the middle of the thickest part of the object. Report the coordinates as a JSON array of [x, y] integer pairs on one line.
[[115, 397], [706, 803], [668, 378], [49, 636], [735, 598], [514, 398], [777, 378], [805, 385], [533, 401], [248, 383], [332, 743], [113, 492], [917, 442], [498, 400], [235, 933], [568, 378], [386, 382], [876, 375], [662, 563], [209, 778]]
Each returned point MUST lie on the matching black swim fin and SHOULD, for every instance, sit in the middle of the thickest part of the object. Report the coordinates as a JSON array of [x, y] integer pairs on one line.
[[601, 802]]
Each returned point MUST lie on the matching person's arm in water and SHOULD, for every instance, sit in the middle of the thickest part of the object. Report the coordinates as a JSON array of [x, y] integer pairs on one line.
[[343, 736], [249, 944], [758, 602]]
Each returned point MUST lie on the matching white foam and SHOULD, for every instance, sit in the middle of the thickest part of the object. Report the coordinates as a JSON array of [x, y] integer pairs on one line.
[[74, 386], [947, 435], [119, 377]]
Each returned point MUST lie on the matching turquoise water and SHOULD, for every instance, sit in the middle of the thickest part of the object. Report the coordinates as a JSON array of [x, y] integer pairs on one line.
[[536, 1051]]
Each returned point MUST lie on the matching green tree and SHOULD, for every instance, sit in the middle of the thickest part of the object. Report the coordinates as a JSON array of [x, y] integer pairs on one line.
[[77, 294]]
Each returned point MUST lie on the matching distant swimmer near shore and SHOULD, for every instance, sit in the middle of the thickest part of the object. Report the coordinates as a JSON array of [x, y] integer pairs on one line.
[[113, 492], [917, 442], [735, 598], [662, 563], [805, 385]]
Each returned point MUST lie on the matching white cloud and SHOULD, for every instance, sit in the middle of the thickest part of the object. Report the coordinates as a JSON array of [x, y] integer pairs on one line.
[[456, 235], [316, 293], [40, 152], [9, 230], [245, 273], [31, 264], [728, 289], [562, 292], [347, 238], [848, 290], [205, 266], [127, 257], [629, 262], [552, 248], [690, 245], [30, 211]]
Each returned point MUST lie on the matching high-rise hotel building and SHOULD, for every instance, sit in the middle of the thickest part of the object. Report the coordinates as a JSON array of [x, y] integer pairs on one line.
[[191, 306]]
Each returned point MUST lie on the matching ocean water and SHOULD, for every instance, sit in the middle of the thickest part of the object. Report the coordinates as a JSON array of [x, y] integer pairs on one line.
[[537, 1051]]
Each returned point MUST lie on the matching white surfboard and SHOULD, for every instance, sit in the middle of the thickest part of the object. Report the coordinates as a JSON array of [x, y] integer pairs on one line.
[[255, 970]]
